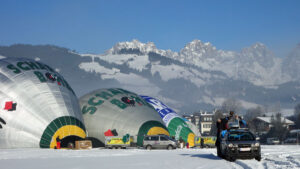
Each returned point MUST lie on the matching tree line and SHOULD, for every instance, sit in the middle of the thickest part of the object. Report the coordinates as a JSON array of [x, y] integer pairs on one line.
[[277, 129]]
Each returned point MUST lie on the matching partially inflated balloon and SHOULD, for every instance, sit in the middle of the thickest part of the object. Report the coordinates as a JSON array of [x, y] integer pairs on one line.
[[175, 124], [38, 106], [193, 127], [120, 110]]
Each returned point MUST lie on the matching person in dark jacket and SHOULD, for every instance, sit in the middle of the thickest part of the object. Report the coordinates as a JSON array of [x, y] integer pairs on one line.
[[202, 143], [217, 144], [242, 122], [222, 124]]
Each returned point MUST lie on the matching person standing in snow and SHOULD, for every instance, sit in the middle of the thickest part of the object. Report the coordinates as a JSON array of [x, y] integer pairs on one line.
[[222, 124], [181, 142], [58, 142], [217, 144], [242, 122]]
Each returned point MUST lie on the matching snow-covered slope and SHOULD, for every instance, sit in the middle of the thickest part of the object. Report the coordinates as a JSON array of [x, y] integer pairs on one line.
[[197, 77], [275, 157], [256, 64], [201, 66], [291, 64]]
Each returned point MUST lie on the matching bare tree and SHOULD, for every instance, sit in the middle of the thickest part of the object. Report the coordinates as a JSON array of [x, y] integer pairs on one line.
[[297, 109], [250, 116], [231, 104], [253, 113], [278, 129], [297, 115], [218, 115]]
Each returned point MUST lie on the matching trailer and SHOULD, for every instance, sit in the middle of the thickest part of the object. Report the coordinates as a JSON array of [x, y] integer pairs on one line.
[[118, 142], [205, 141]]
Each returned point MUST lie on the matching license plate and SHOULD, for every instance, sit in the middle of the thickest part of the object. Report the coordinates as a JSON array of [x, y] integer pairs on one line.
[[245, 149]]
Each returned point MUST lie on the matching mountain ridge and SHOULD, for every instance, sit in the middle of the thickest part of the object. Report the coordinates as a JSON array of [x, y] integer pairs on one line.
[[182, 84]]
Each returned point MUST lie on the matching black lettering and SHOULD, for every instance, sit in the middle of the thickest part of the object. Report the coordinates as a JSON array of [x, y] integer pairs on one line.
[[92, 103], [32, 65], [15, 69], [90, 110], [21, 66], [40, 76], [114, 92], [40, 65], [104, 95], [49, 68]]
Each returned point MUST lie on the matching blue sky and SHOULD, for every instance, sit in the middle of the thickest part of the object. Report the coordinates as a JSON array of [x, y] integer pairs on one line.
[[95, 26]]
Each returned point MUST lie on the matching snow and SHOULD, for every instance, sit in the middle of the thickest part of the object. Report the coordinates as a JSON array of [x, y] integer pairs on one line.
[[207, 100], [97, 68], [284, 112], [218, 101], [255, 64], [275, 156], [248, 105], [168, 72], [134, 44], [287, 112], [130, 81], [283, 120], [137, 62]]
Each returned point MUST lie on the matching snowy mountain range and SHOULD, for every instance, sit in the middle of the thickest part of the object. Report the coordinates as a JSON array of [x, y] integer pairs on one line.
[[199, 76]]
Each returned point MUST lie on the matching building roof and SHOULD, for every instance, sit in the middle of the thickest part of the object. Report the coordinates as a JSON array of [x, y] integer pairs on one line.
[[268, 120]]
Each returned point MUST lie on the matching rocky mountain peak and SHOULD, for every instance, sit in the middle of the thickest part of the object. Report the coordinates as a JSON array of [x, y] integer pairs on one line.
[[258, 53], [291, 63], [134, 46], [257, 50], [198, 48]]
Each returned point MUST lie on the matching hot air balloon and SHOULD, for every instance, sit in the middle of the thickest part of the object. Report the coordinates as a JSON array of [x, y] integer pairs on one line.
[[193, 127], [175, 124], [38, 107], [120, 110]]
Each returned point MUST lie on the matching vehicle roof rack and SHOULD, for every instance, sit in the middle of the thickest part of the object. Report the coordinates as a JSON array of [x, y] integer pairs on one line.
[[245, 129]]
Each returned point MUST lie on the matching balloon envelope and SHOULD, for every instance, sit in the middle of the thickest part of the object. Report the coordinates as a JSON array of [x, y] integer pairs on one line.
[[175, 124], [122, 110], [38, 106], [193, 127]]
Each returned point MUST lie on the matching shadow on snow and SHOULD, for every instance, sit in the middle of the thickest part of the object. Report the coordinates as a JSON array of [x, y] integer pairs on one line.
[[206, 156]]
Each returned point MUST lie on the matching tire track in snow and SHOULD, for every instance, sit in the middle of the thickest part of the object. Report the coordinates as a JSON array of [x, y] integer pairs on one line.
[[292, 160], [247, 164], [240, 164]]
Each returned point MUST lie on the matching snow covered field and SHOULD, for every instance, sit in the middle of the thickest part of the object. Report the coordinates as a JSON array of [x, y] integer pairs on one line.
[[285, 156]]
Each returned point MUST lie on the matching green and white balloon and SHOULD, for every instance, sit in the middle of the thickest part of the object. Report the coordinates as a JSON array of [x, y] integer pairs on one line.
[[121, 110], [37, 106]]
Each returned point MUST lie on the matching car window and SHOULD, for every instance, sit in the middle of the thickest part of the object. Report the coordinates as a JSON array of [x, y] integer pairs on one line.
[[162, 138], [240, 136], [154, 138], [151, 138]]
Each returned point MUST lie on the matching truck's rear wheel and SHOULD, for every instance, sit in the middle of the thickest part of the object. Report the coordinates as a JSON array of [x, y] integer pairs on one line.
[[170, 147], [148, 147], [258, 158], [227, 155], [232, 159]]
